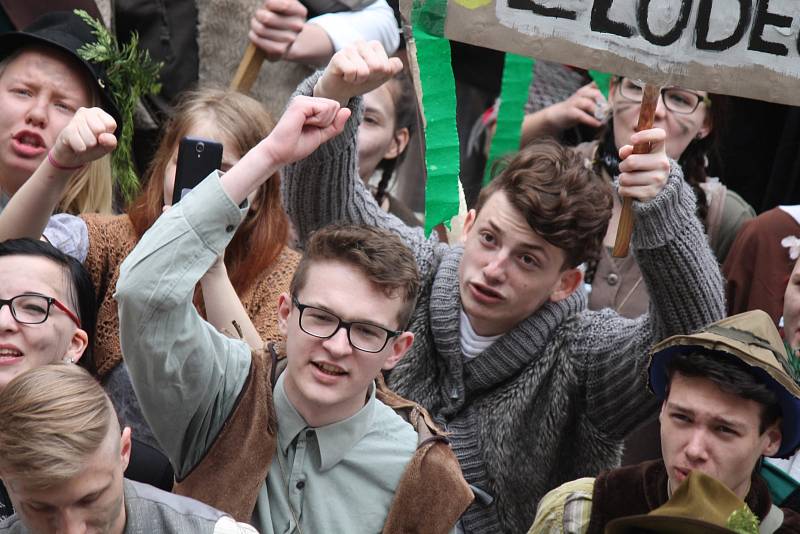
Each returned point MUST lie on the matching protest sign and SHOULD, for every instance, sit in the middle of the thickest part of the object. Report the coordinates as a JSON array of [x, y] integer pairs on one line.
[[748, 48]]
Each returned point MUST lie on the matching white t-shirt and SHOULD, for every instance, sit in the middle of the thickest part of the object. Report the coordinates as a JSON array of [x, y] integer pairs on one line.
[[473, 344]]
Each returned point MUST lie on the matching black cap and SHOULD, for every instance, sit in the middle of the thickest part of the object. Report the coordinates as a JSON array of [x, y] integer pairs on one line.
[[65, 31]]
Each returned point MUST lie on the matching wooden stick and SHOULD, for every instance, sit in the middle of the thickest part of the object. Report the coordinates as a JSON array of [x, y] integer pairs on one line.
[[248, 69], [646, 118]]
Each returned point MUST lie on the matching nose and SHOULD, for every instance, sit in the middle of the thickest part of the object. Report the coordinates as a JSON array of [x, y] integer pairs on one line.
[[7, 321], [37, 113], [338, 344], [697, 448], [70, 523], [495, 270], [661, 109]]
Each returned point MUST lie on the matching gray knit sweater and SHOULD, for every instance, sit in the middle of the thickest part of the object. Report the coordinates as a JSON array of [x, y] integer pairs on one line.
[[552, 399]]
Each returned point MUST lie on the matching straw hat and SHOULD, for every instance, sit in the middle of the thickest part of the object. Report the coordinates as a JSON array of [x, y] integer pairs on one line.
[[752, 338]]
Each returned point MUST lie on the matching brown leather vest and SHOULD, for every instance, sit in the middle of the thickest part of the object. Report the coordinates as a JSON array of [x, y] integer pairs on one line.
[[431, 496]]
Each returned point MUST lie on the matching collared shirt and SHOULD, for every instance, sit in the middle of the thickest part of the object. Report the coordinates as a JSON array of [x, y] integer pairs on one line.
[[566, 509], [335, 478], [188, 376]]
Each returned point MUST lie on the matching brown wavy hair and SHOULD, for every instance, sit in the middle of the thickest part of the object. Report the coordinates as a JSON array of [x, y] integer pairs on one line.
[[263, 234], [561, 198], [383, 258]]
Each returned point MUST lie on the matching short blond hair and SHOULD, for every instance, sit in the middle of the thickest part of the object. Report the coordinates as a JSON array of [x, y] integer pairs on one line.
[[52, 420]]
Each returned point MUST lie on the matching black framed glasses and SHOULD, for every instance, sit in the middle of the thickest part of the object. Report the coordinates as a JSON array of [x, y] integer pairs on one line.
[[30, 308], [675, 99], [366, 337]]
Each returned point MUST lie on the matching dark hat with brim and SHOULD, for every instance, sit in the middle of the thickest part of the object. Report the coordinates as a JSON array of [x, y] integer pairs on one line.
[[67, 32], [752, 338]]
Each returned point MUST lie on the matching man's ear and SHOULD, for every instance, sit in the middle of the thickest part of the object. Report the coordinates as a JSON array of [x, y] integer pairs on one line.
[[125, 447], [569, 281], [469, 222], [399, 143], [400, 346], [77, 345], [284, 309], [773, 436]]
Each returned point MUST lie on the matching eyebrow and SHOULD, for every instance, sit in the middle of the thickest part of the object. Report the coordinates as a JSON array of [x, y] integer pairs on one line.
[[58, 93], [714, 418], [531, 247], [373, 109]]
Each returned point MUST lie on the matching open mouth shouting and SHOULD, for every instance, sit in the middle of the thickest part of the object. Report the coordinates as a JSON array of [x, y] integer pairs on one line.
[[328, 371], [29, 144], [485, 294]]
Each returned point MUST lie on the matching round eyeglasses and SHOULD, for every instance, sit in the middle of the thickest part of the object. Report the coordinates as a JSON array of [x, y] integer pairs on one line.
[[30, 308], [366, 337], [675, 99]]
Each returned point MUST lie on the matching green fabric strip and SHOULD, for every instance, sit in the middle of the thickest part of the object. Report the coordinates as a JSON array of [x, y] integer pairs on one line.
[[439, 101], [517, 76], [430, 15]]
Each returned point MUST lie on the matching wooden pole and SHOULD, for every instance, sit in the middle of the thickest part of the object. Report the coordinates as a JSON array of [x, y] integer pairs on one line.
[[646, 118], [248, 69]]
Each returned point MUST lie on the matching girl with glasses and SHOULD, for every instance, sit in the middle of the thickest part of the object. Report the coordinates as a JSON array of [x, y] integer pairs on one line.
[[692, 121]]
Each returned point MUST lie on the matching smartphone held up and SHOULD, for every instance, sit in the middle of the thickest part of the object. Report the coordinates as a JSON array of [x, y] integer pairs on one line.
[[197, 158]]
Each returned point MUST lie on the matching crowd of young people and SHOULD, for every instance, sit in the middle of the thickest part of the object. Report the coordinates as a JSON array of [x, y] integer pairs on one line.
[[287, 351]]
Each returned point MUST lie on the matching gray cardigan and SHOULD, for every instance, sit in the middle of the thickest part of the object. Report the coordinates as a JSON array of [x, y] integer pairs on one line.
[[552, 399]]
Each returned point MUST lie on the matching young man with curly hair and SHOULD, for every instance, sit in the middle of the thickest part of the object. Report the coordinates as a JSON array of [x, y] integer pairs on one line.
[[534, 389]]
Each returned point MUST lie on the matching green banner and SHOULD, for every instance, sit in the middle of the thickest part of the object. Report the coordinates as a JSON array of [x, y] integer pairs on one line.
[[439, 102], [517, 76]]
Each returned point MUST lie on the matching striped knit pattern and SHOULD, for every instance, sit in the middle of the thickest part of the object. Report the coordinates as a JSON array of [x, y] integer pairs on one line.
[[552, 83], [552, 399]]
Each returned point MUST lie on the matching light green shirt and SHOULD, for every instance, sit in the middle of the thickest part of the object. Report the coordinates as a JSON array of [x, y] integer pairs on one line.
[[187, 377], [338, 478]]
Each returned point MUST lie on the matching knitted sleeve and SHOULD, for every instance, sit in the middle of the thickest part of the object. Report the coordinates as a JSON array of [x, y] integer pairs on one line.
[[111, 238], [325, 188], [686, 294]]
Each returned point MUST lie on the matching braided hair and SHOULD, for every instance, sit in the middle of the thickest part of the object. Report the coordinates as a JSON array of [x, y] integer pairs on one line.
[[405, 116]]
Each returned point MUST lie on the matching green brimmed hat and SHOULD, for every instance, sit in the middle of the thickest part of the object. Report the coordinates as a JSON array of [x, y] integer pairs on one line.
[[752, 338], [700, 505]]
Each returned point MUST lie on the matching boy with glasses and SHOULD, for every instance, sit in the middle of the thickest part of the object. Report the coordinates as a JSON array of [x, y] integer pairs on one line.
[[315, 449]]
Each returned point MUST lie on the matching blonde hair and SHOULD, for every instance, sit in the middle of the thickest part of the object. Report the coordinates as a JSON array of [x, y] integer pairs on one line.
[[89, 191], [52, 419]]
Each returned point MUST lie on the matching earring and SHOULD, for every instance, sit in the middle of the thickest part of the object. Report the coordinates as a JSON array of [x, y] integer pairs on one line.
[[69, 360]]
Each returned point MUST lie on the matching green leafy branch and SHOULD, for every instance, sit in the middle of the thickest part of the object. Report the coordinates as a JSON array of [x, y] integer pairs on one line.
[[132, 74], [743, 521]]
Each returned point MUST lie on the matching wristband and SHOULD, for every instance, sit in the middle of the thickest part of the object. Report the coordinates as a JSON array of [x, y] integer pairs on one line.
[[59, 166]]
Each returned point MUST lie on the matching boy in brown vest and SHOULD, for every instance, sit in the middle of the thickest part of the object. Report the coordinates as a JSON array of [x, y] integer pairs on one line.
[[315, 449]]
